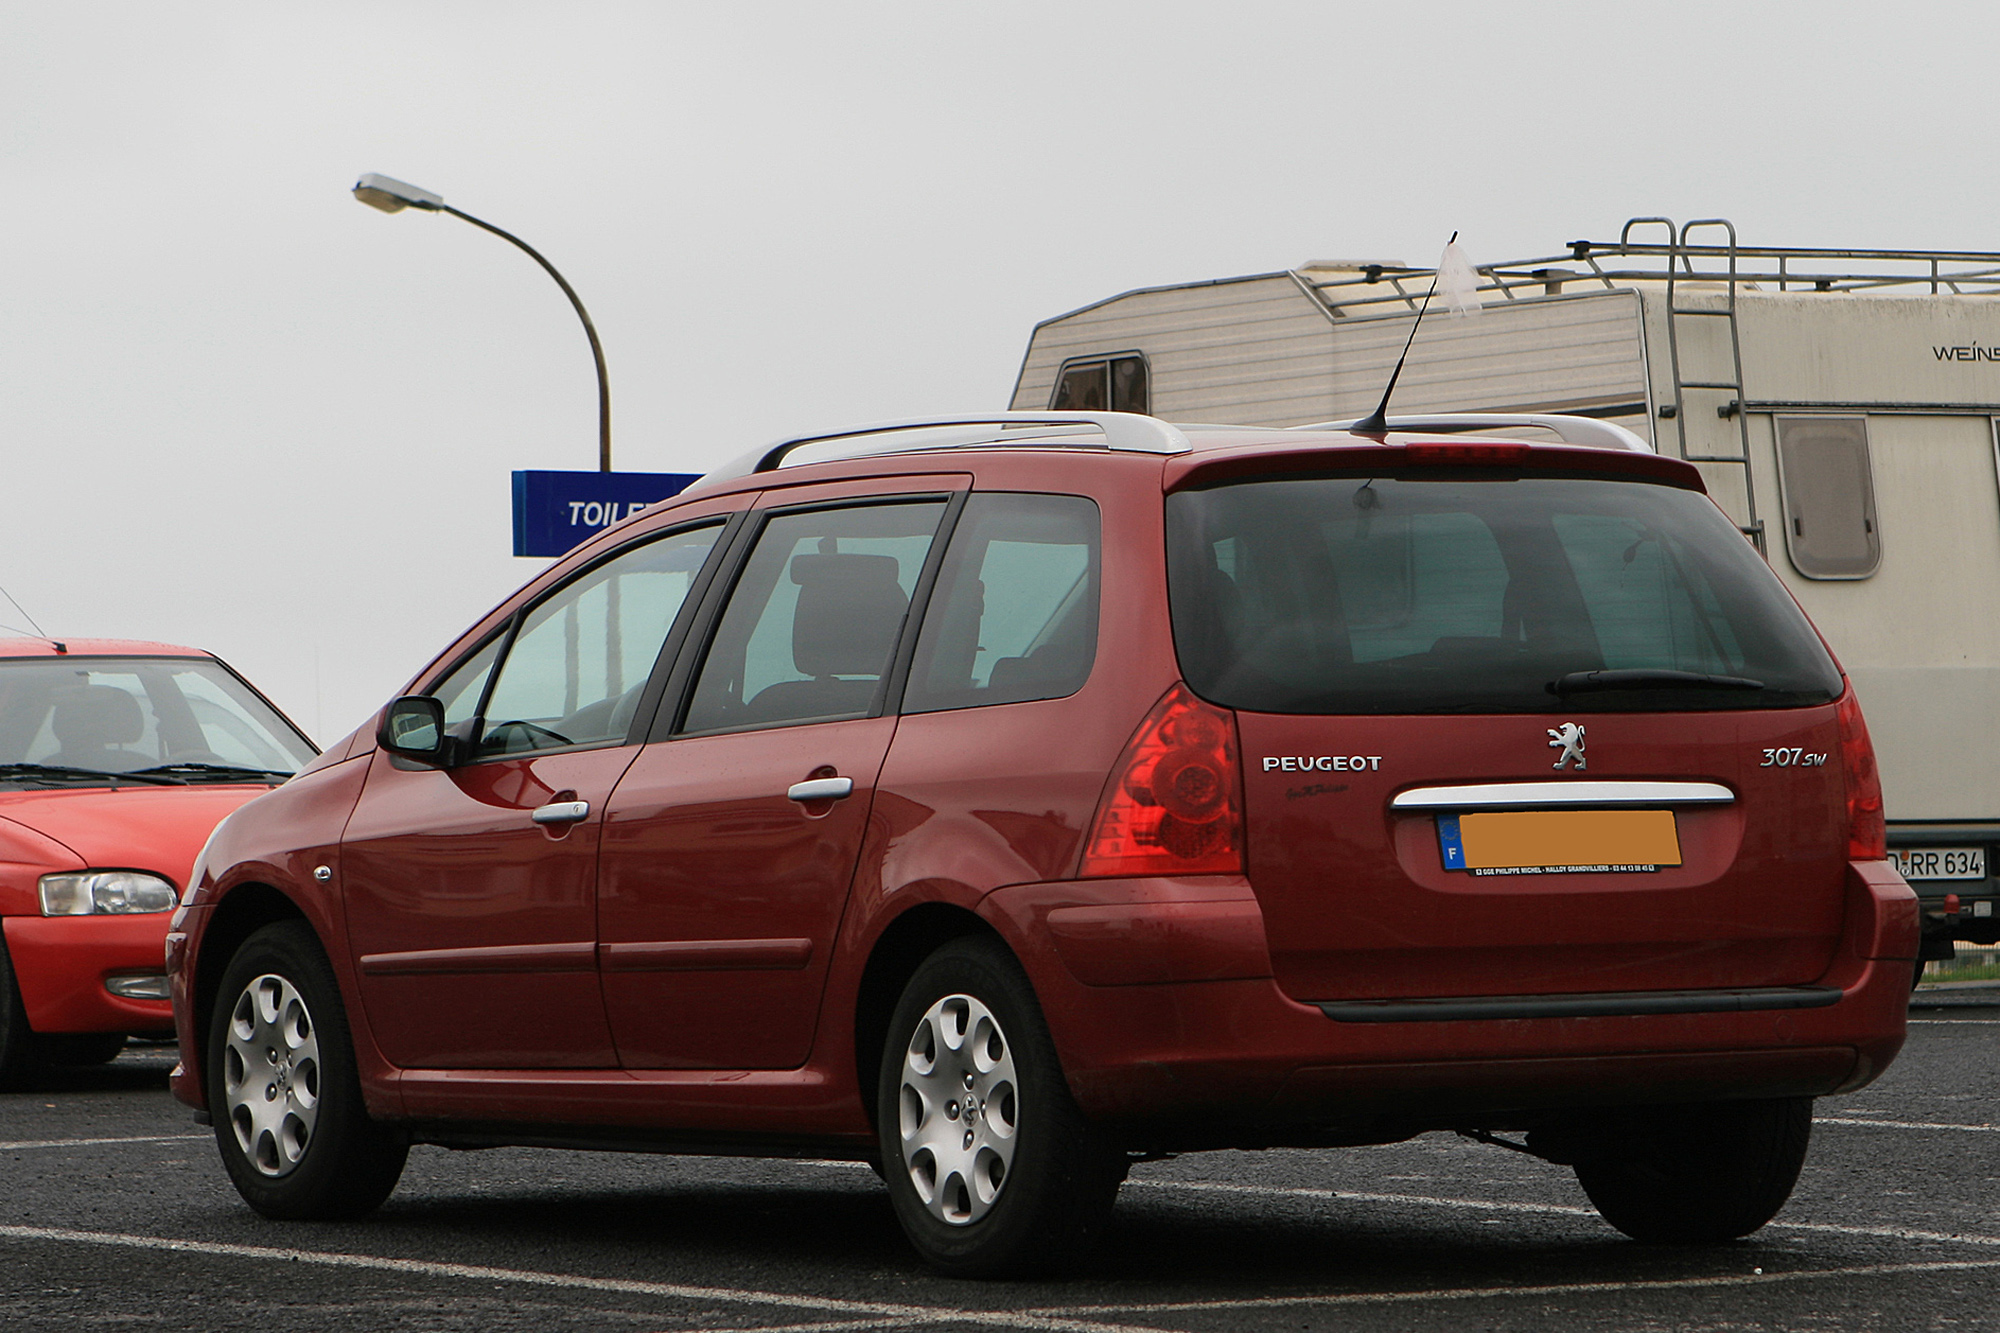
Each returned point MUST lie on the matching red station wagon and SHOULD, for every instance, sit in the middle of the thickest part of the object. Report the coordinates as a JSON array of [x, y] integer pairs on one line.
[[1001, 799], [116, 760]]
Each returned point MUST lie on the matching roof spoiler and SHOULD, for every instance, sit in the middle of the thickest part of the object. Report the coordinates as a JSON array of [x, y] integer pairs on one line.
[[1586, 431]]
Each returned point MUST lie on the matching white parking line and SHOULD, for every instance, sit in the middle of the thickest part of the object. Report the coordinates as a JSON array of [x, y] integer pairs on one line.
[[820, 1326], [1549, 1289], [22, 1144], [1903, 1124], [1975, 1022], [880, 1313]]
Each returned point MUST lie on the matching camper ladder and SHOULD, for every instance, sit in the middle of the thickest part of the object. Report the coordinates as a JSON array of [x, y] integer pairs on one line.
[[1680, 266]]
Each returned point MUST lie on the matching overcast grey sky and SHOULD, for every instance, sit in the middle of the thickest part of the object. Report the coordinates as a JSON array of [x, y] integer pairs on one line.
[[243, 412]]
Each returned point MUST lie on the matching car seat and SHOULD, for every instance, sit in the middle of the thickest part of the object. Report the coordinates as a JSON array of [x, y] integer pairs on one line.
[[93, 719], [849, 612]]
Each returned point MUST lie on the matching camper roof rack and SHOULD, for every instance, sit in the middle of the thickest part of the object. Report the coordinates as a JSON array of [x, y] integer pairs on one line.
[[1088, 430], [1570, 430], [1396, 289]]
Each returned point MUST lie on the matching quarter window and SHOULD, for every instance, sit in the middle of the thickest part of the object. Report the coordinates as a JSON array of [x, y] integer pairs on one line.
[[576, 669], [1100, 384], [812, 624], [1014, 616], [1829, 493]]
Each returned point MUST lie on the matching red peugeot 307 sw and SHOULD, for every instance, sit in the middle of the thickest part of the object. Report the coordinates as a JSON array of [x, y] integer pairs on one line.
[[999, 799]]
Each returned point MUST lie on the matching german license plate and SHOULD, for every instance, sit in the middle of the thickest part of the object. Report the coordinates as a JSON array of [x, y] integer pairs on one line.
[[1539, 842], [1940, 862]]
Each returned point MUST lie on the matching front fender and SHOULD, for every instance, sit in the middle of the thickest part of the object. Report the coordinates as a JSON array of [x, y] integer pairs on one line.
[[262, 866]]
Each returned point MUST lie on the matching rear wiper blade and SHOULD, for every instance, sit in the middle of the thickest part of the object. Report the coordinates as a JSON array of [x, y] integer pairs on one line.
[[199, 769], [1648, 678], [66, 772]]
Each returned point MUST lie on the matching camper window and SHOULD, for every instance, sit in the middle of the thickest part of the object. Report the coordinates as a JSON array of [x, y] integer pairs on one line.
[[1829, 495], [1102, 384]]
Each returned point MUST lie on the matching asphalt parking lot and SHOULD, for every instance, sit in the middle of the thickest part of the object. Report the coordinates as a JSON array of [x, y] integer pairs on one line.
[[115, 1212]]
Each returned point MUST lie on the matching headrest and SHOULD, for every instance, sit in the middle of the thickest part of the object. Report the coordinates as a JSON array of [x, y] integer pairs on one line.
[[849, 613], [93, 715]]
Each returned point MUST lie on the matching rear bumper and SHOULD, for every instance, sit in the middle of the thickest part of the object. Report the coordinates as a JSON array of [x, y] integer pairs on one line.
[[62, 962], [1197, 1043]]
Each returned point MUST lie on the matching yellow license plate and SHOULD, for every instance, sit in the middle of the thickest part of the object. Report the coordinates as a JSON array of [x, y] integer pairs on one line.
[[1531, 841]]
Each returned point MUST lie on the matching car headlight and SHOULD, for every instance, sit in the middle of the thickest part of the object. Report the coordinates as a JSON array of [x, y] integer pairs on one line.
[[111, 892]]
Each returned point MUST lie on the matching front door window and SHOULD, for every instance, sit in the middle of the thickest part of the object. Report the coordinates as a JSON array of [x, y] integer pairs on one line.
[[576, 669]]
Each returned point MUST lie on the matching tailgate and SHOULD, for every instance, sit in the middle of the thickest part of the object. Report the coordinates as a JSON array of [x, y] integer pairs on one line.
[[1669, 863]]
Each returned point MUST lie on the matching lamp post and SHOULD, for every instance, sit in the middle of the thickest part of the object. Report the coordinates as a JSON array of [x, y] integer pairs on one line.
[[393, 196]]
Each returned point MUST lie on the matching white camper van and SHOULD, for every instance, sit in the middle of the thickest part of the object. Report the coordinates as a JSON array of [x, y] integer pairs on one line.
[[1844, 406]]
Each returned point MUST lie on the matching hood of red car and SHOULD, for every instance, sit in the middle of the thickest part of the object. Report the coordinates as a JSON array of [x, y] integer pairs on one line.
[[160, 829]]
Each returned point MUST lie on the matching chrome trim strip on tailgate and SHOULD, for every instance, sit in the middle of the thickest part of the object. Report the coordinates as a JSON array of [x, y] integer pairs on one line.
[[1522, 795], [1602, 1004]]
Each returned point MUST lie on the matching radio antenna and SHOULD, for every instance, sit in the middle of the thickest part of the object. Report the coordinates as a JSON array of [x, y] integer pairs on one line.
[[1377, 422], [40, 633]]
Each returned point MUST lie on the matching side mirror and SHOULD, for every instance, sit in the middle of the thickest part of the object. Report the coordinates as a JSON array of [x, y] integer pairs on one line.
[[413, 728]]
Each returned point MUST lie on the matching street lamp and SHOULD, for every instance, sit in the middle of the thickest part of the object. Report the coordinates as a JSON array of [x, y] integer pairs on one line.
[[393, 196]]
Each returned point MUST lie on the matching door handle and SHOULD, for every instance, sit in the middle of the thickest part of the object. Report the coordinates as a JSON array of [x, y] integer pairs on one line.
[[561, 812], [821, 789]]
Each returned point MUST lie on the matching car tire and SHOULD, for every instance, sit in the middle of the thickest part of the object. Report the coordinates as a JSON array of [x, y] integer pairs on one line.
[[20, 1049], [991, 1167], [283, 1087], [1689, 1175]]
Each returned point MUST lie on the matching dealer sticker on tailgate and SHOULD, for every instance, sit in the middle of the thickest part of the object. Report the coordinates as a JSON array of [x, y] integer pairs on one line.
[[1940, 862]]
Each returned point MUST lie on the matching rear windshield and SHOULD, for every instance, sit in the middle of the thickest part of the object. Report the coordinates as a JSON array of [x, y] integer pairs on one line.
[[1411, 595]]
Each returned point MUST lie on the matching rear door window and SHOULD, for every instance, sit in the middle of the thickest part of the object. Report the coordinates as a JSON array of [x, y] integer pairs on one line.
[[1413, 595], [811, 627]]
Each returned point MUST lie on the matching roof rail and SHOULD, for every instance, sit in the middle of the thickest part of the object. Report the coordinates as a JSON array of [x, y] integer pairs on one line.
[[1571, 430], [1121, 430]]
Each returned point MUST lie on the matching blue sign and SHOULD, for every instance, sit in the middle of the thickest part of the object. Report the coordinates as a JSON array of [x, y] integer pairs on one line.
[[554, 512]]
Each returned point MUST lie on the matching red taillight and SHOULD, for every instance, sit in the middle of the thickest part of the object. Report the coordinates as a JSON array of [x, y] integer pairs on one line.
[[1867, 835], [1175, 802], [1487, 453]]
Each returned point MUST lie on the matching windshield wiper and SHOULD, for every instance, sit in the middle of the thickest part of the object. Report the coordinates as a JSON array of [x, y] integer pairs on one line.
[[1648, 678], [67, 773], [195, 770]]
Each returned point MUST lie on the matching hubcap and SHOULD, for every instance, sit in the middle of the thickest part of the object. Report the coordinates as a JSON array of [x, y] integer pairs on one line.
[[959, 1109], [270, 1075]]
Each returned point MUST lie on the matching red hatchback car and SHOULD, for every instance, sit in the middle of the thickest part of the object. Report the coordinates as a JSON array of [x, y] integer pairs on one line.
[[116, 760], [996, 800]]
